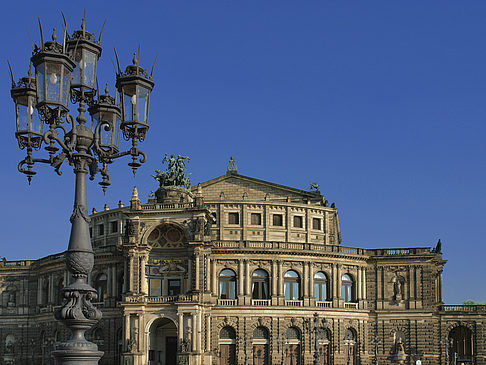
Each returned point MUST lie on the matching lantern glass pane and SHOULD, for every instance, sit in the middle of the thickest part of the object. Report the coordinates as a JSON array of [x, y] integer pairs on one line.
[[129, 102], [143, 94], [117, 130], [39, 74], [53, 79], [65, 87], [36, 123], [107, 132], [88, 69], [76, 72], [22, 114]]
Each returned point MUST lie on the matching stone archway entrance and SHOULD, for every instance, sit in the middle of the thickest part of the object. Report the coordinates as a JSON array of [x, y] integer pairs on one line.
[[162, 342], [461, 349]]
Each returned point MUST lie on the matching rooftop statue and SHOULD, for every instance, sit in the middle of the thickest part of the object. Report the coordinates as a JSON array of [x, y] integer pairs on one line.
[[176, 173]]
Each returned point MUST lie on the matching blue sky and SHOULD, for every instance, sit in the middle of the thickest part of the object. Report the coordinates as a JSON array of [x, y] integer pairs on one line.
[[383, 103]]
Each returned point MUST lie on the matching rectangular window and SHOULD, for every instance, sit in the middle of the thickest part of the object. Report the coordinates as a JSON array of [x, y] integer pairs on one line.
[[278, 220], [154, 287], [298, 221], [173, 287], [233, 218], [114, 227], [256, 219], [316, 224], [90, 232], [101, 230]]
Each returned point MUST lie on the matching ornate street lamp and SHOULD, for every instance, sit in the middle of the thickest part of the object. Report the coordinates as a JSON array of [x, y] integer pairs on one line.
[[63, 70]]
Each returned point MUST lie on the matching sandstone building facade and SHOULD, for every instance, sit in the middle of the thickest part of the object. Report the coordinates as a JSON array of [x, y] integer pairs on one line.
[[242, 271]]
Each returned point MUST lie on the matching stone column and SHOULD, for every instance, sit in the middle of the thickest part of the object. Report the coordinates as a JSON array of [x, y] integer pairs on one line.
[[247, 280], [364, 282], [180, 333], [412, 282], [339, 284], [212, 277], [359, 284], [274, 278], [125, 274], [305, 278], [130, 273], [241, 277], [199, 331], [143, 279], [114, 282], [208, 274], [51, 288], [189, 275], [194, 332], [196, 274], [280, 279], [311, 280], [39, 290], [208, 332], [127, 330], [334, 283]]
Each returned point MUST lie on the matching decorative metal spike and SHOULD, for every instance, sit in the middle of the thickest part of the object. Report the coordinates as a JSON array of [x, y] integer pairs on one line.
[[152, 72], [83, 25], [117, 62], [30, 69], [11, 74], [31, 43], [65, 22], [101, 33], [41, 34]]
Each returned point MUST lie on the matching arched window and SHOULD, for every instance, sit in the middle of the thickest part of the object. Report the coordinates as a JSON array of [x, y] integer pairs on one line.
[[100, 286], [227, 284], [320, 287], [291, 285], [347, 288], [260, 284], [227, 346]]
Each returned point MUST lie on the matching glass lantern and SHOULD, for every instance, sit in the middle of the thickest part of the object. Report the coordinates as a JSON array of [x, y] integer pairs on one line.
[[107, 112], [53, 70], [85, 50], [134, 87], [29, 126]]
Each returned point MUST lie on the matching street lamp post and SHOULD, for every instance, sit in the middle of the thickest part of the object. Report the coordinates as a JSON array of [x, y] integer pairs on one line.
[[69, 69], [316, 339], [283, 343], [376, 342]]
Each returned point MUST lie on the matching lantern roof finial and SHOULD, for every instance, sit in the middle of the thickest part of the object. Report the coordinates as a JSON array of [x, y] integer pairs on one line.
[[54, 36]]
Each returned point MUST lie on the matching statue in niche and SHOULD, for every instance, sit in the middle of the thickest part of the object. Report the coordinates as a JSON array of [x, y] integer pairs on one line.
[[9, 348], [398, 351], [397, 287]]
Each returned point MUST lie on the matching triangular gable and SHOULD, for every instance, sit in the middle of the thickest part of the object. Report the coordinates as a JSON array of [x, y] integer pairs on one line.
[[233, 186]]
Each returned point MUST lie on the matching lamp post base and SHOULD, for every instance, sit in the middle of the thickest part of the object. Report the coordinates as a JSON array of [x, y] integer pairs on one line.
[[77, 357]]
